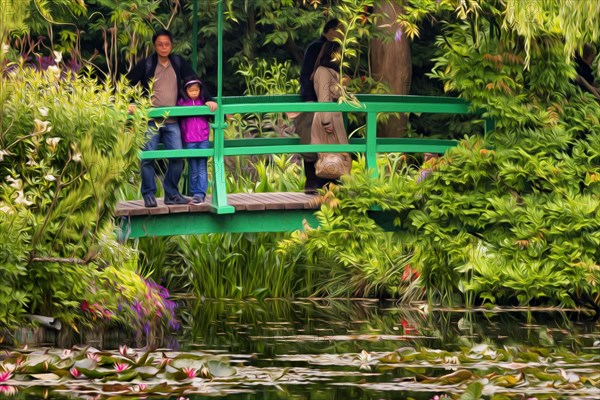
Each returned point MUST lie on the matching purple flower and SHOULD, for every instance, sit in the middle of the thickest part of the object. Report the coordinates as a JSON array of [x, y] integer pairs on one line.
[[399, 34], [424, 174]]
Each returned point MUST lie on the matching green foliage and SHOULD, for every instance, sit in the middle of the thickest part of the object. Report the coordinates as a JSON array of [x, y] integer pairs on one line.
[[356, 258], [262, 77], [66, 145], [513, 225], [225, 266]]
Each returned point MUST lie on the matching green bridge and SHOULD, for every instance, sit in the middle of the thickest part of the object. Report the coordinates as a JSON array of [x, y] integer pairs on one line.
[[274, 212]]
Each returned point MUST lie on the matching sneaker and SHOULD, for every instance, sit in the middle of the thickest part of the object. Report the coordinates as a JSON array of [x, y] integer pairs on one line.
[[177, 199], [150, 201], [198, 199]]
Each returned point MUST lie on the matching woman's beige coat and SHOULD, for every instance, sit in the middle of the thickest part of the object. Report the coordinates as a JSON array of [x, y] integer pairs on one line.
[[327, 83]]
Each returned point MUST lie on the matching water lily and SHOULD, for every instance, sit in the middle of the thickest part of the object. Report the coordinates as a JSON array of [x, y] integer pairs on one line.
[[93, 356], [5, 375], [163, 361], [8, 390], [43, 111], [57, 56], [138, 388], [76, 157], [126, 351], [50, 177], [190, 372], [120, 367], [75, 373]]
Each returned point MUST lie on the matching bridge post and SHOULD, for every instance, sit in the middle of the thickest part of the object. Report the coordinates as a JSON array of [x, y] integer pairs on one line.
[[219, 202], [371, 142]]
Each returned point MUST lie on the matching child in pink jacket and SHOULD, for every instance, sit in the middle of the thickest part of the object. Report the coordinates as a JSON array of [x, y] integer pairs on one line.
[[194, 134]]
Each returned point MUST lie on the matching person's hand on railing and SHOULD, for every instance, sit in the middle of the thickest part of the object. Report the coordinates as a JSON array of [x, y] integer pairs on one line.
[[212, 106]]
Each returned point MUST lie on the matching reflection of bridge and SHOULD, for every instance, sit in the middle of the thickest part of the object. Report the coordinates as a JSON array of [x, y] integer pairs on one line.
[[273, 212]]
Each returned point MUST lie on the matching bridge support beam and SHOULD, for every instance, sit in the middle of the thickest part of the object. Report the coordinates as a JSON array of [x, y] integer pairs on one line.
[[134, 227]]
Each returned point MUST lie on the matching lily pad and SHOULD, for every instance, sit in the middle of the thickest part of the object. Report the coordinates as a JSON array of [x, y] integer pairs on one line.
[[220, 368]]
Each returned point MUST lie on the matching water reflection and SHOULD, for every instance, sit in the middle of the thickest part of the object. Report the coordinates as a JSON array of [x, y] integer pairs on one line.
[[275, 327], [370, 350]]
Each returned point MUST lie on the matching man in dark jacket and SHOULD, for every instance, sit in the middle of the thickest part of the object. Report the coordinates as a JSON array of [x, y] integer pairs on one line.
[[167, 71], [303, 121], [583, 66]]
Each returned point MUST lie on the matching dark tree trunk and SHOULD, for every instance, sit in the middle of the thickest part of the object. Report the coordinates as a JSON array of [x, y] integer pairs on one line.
[[391, 62]]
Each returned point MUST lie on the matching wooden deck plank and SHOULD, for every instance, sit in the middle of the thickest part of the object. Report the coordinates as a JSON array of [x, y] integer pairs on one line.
[[300, 200], [271, 200], [173, 208], [202, 207], [236, 201], [240, 201], [250, 201], [138, 208], [291, 201]]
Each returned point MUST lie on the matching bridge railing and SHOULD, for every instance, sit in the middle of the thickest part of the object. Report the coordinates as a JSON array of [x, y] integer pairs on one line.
[[370, 145]]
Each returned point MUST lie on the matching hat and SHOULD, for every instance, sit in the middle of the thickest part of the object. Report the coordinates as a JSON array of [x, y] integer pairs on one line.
[[192, 81]]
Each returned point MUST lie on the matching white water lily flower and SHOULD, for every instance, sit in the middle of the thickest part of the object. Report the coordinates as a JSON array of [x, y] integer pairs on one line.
[[57, 56], [43, 111], [52, 142], [76, 157], [31, 162], [50, 178]]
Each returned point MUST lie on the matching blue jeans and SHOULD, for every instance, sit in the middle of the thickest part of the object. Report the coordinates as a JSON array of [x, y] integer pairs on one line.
[[170, 136], [198, 170]]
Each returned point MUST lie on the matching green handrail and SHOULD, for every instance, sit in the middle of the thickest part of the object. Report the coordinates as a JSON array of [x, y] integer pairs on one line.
[[371, 145]]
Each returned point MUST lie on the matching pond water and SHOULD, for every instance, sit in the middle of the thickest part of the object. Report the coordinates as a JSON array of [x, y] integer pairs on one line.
[[357, 350]]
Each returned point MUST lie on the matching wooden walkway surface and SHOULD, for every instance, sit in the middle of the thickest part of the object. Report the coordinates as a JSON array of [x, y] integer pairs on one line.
[[240, 201]]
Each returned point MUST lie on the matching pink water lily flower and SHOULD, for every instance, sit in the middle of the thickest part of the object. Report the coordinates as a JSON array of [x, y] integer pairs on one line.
[[93, 356], [4, 376], [75, 373], [126, 351], [8, 390], [190, 372], [138, 388], [120, 367]]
